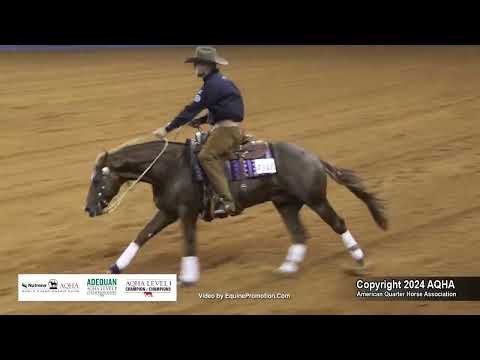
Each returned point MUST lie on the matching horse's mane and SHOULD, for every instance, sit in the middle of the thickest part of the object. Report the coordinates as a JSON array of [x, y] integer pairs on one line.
[[125, 144], [137, 142], [153, 145]]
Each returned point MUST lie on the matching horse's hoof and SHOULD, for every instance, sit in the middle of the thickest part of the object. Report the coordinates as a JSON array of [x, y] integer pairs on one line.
[[186, 284], [287, 268], [360, 268], [114, 269]]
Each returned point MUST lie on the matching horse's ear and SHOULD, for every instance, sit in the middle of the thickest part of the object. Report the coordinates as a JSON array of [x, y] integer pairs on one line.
[[101, 159], [105, 158]]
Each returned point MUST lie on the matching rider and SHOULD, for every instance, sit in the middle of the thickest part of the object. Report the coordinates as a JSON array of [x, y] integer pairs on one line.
[[226, 111]]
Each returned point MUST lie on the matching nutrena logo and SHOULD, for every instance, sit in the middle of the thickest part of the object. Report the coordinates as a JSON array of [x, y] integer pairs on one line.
[[34, 285], [100, 282]]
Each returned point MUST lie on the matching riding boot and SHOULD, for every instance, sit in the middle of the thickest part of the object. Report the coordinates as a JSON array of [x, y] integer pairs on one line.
[[212, 157]]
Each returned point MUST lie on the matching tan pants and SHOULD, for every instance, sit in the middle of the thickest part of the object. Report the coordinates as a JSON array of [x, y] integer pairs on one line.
[[220, 144]]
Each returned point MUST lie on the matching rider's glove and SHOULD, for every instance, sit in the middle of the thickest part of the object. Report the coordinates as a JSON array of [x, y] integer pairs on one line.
[[161, 133]]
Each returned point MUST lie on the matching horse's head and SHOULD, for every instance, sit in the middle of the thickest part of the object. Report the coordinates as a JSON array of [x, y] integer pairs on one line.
[[105, 185]]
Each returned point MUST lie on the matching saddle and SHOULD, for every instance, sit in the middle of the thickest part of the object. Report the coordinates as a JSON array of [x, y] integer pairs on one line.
[[249, 147], [252, 159]]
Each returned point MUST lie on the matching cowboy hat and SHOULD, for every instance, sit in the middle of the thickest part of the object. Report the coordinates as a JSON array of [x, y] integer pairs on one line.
[[206, 54]]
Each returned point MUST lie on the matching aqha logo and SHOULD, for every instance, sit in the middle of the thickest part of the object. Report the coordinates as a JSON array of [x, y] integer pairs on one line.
[[148, 294], [53, 284], [69, 286]]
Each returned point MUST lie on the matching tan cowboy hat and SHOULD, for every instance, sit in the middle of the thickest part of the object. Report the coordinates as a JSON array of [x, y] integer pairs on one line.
[[206, 54]]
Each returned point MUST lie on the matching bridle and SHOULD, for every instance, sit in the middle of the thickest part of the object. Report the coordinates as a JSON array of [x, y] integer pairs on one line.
[[115, 203]]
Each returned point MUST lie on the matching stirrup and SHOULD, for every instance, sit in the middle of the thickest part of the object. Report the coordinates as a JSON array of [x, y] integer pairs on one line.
[[222, 210], [220, 213]]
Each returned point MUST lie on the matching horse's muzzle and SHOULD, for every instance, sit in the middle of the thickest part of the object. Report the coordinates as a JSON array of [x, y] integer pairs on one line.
[[92, 212]]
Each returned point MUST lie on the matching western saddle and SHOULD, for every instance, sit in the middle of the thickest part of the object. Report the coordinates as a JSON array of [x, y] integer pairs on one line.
[[250, 148]]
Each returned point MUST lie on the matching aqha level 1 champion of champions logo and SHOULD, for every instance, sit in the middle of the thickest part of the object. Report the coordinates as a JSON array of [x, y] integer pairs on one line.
[[148, 287], [102, 287]]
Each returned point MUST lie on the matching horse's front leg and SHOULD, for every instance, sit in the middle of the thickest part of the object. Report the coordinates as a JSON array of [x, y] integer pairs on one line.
[[157, 224], [190, 267]]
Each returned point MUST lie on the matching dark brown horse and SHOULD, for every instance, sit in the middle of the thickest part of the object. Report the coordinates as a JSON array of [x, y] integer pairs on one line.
[[301, 179]]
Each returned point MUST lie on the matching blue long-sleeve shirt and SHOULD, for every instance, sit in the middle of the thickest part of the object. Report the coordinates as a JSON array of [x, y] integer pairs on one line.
[[220, 96]]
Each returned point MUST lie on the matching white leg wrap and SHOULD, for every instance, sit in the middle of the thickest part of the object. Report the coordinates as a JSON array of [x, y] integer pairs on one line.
[[190, 271], [352, 246], [127, 256], [296, 254]]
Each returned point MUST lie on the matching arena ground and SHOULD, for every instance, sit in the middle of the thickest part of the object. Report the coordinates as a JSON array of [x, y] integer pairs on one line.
[[405, 118]]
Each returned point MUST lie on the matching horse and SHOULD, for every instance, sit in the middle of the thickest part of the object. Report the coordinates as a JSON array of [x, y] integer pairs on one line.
[[300, 179]]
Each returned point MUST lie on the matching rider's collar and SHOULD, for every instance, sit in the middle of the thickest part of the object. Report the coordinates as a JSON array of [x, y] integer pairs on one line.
[[210, 75]]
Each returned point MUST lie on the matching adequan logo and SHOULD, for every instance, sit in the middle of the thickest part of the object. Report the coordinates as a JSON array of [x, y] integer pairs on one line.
[[102, 286]]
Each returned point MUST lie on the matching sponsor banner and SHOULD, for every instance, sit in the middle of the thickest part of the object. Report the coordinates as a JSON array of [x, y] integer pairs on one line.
[[95, 287]]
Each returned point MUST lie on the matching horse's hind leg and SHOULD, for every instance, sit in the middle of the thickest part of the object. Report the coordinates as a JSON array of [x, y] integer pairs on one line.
[[289, 211], [326, 212]]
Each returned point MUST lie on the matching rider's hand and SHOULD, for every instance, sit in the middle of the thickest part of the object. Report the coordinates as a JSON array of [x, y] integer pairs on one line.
[[195, 123], [161, 133]]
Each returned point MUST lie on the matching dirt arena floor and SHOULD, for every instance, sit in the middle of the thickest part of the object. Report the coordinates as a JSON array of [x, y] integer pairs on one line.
[[405, 118]]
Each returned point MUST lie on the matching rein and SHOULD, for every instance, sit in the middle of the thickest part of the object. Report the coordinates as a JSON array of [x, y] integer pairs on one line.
[[116, 202]]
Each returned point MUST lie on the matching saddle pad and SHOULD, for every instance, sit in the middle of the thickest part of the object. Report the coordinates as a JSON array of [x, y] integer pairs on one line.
[[264, 166], [252, 168]]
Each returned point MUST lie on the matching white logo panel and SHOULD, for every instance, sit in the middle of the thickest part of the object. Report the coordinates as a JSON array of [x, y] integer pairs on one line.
[[96, 287]]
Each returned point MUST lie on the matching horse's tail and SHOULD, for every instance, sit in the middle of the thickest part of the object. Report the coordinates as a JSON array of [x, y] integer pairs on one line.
[[355, 185]]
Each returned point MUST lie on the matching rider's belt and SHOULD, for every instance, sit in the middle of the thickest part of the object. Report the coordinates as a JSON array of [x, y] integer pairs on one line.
[[225, 123]]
